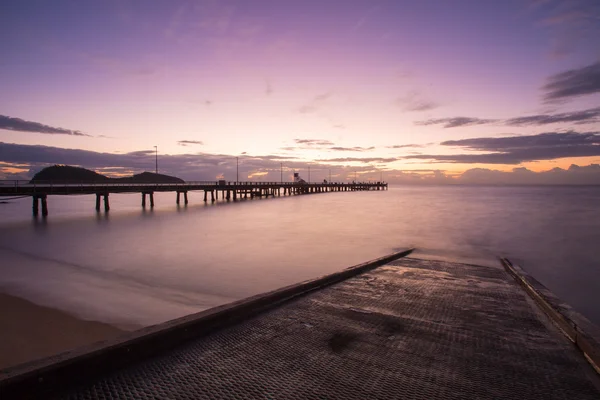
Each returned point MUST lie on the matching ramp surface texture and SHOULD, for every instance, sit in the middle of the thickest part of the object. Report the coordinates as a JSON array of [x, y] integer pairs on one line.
[[412, 329]]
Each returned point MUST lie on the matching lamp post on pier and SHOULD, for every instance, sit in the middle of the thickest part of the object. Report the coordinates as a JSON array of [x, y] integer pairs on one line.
[[281, 165], [237, 170], [156, 158]]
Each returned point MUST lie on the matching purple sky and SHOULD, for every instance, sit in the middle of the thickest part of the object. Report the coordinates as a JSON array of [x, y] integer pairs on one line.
[[354, 86]]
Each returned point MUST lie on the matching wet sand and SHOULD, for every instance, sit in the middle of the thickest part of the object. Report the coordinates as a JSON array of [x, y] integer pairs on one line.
[[29, 332]]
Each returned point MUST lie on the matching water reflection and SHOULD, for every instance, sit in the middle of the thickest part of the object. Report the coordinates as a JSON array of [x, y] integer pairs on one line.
[[233, 249]]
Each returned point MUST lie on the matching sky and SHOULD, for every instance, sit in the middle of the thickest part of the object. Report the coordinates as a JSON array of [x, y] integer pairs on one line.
[[464, 91]]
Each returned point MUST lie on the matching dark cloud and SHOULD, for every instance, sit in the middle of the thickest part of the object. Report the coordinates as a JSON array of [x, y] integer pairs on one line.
[[403, 146], [573, 83], [363, 160], [201, 166], [18, 124], [589, 116], [455, 122], [578, 117], [314, 142], [197, 166], [189, 142], [355, 148], [545, 140], [518, 149]]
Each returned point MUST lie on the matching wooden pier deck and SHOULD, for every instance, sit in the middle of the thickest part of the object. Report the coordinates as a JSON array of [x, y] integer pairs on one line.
[[39, 191], [395, 328]]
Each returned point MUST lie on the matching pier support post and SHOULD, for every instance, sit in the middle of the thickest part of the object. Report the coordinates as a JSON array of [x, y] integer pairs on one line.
[[106, 204], [228, 196], [143, 200], [35, 206], [185, 198], [234, 195], [44, 206], [205, 194], [177, 201], [97, 202], [151, 199], [212, 196]]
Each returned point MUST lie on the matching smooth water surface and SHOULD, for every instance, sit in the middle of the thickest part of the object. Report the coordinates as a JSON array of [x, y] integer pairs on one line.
[[132, 267]]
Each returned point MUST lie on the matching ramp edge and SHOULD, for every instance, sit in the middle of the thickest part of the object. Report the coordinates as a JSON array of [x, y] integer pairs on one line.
[[578, 329]]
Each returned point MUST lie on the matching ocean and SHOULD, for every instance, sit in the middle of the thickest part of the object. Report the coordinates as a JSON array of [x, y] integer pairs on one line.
[[134, 267]]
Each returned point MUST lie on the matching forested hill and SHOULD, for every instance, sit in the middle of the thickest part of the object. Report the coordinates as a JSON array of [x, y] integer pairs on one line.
[[68, 174]]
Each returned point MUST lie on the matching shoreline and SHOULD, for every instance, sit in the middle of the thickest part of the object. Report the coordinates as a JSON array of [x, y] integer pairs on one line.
[[30, 332]]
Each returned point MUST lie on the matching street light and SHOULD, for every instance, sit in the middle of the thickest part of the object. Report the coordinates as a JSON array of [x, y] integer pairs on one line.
[[237, 170], [281, 165], [156, 157]]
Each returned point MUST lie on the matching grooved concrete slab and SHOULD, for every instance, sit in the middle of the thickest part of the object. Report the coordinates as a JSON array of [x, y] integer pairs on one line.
[[412, 329]]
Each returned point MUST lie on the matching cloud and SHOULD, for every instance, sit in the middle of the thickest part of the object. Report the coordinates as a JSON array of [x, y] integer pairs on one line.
[[355, 148], [579, 117], [323, 96], [268, 87], [18, 124], [315, 103], [569, 23], [313, 142], [307, 109], [518, 149], [574, 175], [413, 101], [455, 122], [573, 83], [189, 142]]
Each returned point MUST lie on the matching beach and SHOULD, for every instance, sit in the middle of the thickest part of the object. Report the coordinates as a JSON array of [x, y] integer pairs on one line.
[[29, 331]]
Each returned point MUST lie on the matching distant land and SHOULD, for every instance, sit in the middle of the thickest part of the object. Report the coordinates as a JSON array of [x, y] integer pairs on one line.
[[69, 174]]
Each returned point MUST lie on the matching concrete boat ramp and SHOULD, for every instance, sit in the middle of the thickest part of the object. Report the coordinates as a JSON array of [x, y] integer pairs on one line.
[[394, 328]]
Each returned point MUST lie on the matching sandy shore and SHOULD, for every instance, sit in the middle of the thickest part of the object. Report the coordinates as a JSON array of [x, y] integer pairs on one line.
[[29, 331]]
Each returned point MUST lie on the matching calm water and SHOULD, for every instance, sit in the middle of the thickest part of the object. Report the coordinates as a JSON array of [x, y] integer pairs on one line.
[[134, 268]]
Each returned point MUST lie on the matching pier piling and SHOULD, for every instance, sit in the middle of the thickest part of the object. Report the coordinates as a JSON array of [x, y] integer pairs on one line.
[[35, 206], [106, 204]]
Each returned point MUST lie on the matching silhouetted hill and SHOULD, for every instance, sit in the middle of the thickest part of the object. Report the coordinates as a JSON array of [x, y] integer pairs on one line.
[[149, 177], [65, 174], [68, 174]]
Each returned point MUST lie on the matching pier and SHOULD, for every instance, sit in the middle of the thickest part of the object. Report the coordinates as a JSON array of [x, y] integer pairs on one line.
[[395, 327], [39, 191]]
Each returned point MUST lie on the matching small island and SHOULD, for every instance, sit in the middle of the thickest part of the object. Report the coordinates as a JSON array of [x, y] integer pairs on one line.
[[69, 174]]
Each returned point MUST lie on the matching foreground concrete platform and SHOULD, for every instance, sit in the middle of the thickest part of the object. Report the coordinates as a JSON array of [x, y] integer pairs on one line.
[[411, 329]]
